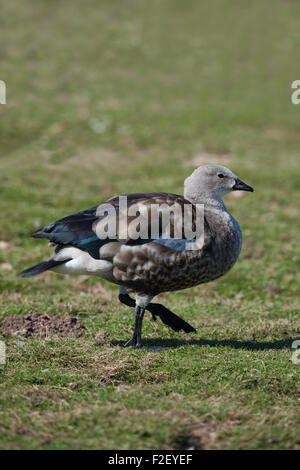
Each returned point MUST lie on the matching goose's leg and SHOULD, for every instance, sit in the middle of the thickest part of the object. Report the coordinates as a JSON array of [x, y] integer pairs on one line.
[[125, 299], [167, 317], [141, 303], [136, 340]]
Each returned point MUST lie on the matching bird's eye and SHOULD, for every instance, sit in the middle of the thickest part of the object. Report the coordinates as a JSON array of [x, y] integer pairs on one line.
[[220, 175]]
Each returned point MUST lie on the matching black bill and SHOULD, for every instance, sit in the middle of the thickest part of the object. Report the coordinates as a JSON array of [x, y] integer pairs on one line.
[[241, 186]]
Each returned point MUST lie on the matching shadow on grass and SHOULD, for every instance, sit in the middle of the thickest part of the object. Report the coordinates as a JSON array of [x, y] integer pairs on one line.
[[160, 344]]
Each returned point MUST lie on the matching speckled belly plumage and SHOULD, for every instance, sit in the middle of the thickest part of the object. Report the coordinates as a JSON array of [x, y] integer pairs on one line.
[[152, 269]]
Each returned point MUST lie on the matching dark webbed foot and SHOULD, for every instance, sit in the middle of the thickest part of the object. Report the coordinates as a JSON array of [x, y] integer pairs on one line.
[[126, 300], [132, 342], [157, 310]]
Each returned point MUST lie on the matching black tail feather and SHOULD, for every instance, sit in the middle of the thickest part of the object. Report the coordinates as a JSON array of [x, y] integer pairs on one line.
[[41, 267]]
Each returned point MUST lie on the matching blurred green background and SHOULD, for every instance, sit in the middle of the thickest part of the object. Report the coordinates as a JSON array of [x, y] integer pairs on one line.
[[107, 97]]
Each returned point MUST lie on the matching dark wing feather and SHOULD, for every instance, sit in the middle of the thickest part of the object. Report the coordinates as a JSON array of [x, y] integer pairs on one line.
[[75, 230], [80, 229]]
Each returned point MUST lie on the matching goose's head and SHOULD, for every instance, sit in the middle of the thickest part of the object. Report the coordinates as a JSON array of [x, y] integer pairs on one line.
[[212, 182]]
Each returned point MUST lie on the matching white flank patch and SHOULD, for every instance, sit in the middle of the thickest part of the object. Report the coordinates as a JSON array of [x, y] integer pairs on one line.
[[81, 263]]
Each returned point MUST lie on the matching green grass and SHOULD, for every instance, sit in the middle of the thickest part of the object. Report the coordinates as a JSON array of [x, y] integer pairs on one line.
[[109, 97]]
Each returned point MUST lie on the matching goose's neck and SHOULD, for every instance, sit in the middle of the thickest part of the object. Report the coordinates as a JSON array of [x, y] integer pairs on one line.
[[212, 201]]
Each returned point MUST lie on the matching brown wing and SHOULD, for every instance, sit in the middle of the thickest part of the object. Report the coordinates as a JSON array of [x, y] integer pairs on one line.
[[87, 229], [142, 217]]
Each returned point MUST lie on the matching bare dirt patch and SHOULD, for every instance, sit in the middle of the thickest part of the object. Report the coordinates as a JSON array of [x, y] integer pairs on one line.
[[41, 325]]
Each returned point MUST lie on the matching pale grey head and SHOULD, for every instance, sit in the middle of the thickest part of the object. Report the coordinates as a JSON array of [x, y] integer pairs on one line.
[[212, 182]]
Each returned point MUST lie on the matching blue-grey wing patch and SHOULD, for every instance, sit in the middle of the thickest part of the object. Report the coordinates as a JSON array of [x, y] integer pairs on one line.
[[173, 243]]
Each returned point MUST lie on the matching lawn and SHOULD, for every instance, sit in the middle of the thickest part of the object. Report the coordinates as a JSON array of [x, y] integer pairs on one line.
[[113, 97]]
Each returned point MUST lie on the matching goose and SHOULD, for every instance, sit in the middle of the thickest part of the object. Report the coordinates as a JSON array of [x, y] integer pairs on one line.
[[149, 265]]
